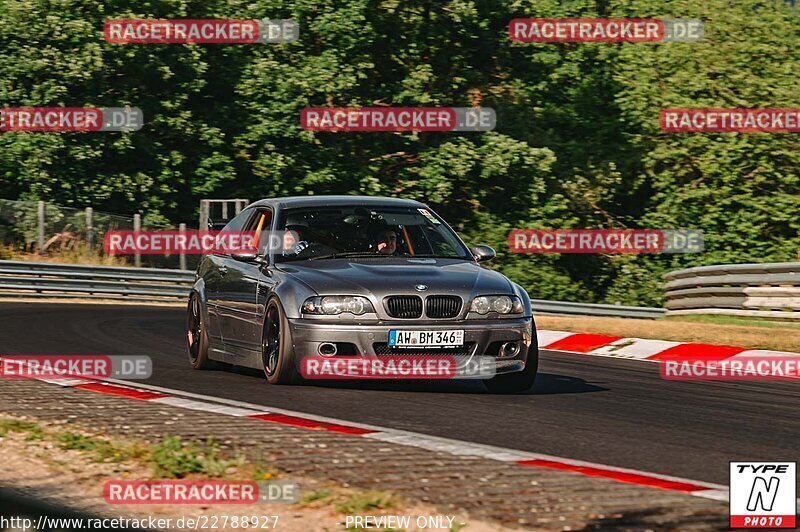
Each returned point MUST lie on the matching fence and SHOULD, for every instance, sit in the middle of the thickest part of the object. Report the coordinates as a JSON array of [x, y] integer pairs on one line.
[[770, 290], [36, 227]]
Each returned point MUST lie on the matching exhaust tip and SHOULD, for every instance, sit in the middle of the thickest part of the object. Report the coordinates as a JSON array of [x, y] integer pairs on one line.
[[327, 349], [509, 349]]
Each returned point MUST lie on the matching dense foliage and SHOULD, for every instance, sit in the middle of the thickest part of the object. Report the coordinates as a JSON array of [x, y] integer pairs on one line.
[[577, 142]]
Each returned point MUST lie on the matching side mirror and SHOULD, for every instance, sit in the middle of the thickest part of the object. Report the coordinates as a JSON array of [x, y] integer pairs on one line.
[[248, 256], [483, 253]]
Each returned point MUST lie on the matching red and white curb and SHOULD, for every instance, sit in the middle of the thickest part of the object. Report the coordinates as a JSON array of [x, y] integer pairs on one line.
[[192, 401], [646, 349]]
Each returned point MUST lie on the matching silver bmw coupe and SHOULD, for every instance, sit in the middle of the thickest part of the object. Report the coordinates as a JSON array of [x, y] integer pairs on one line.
[[356, 276]]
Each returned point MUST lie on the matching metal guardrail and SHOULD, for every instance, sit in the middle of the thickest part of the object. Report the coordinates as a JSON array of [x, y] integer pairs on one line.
[[769, 290], [42, 279], [541, 306], [766, 290]]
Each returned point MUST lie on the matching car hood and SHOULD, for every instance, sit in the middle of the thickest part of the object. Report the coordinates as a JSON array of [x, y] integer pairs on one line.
[[382, 277]]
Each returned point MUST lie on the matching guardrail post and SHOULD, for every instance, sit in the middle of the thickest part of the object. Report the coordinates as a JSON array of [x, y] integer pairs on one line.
[[203, 226], [137, 226], [89, 230], [40, 224], [182, 230]]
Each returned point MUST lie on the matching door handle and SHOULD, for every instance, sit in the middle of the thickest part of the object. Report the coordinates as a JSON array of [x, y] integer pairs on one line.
[[223, 270]]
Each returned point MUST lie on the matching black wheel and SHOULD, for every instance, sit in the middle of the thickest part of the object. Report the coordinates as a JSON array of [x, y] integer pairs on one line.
[[197, 334], [519, 382], [277, 352]]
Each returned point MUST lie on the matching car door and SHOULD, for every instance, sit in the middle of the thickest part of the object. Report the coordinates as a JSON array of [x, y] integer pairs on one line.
[[241, 320], [209, 270], [221, 298]]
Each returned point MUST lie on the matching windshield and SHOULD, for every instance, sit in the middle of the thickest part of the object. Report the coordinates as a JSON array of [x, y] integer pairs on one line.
[[319, 233]]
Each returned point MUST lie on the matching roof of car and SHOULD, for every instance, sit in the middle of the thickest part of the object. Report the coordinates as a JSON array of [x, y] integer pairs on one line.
[[316, 201]]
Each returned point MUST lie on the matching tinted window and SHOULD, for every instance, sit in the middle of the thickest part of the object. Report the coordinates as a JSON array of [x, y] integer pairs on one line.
[[239, 222], [358, 231]]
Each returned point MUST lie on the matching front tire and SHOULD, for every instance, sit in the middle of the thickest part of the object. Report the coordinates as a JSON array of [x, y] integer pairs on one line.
[[197, 334], [277, 351], [518, 382]]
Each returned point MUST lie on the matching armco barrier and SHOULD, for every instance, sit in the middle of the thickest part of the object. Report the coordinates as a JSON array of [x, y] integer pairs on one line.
[[765, 290], [42, 279], [770, 290], [541, 306]]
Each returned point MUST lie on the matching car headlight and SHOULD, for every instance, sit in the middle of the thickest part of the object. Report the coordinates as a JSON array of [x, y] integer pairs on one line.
[[499, 304], [330, 305]]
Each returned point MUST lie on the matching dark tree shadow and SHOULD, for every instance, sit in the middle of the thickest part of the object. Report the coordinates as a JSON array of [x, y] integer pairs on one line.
[[546, 384], [660, 519], [32, 504]]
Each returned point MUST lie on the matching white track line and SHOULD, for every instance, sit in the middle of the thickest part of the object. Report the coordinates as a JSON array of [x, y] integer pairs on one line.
[[414, 439], [220, 405]]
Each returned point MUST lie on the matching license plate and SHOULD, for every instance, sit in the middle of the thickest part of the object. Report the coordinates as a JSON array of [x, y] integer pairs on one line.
[[448, 338]]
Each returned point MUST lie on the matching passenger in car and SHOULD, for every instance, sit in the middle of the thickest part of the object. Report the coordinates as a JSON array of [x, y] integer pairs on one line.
[[292, 245], [386, 242]]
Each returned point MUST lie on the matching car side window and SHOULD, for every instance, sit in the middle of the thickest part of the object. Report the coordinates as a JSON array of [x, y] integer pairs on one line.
[[239, 221], [260, 225]]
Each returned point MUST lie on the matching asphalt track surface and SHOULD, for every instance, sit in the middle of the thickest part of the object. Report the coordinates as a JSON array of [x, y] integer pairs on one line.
[[609, 411]]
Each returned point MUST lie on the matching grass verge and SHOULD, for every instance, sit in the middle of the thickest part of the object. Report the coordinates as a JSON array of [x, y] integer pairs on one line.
[[745, 321], [169, 458], [77, 254], [720, 330], [173, 458], [351, 501]]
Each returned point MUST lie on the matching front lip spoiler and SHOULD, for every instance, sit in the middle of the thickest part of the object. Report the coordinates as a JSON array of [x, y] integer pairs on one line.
[[307, 335]]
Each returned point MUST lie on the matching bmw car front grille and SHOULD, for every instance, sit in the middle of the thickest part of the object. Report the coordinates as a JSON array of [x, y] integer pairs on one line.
[[442, 306], [406, 307]]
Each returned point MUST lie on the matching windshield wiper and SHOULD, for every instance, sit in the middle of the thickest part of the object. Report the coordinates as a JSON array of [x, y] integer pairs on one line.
[[347, 254], [432, 256]]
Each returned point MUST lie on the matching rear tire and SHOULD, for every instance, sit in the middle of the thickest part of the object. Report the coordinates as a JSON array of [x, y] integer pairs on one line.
[[277, 351], [197, 334], [518, 382]]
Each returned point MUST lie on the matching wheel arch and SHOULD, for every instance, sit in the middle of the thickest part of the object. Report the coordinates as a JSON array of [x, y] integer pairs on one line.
[[291, 295], [199, 287]]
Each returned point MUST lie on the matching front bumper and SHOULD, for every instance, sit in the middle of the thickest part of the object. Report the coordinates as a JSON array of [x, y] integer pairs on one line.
[[369, 340]]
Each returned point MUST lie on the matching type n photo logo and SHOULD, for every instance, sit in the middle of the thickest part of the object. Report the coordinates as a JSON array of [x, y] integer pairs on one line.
[[763, 495]]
